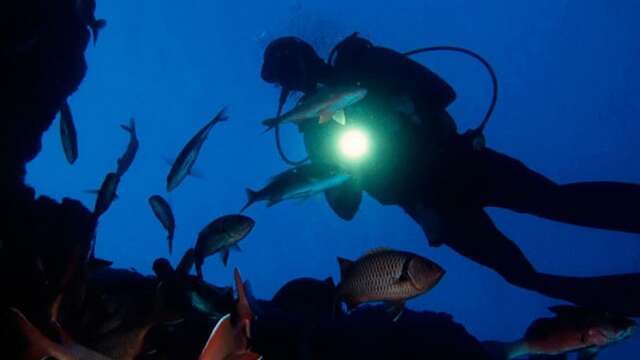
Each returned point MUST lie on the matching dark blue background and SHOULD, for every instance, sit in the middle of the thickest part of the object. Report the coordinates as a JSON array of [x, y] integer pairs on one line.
[[568, 107]]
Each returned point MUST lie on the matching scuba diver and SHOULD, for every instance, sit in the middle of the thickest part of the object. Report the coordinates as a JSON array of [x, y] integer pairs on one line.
[[441, 178]]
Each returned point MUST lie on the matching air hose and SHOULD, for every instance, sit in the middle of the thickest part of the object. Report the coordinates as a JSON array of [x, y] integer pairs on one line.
[[477, 132]]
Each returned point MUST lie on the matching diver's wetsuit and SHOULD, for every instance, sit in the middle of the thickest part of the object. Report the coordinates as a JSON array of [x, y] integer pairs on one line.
[[422, 164]]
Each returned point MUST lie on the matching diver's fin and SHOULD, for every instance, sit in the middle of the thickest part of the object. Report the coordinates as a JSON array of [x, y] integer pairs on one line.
[[96, 27], [395, 309], [588, 353], [225, 256], [339, 117], [345, 265], [186, 263], [345, 199], [252, 196]]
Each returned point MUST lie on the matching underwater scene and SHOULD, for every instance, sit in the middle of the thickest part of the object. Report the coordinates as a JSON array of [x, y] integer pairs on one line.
[[296, 179]]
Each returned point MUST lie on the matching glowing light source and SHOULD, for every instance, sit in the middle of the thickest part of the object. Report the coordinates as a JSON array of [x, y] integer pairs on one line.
[[354, 144]]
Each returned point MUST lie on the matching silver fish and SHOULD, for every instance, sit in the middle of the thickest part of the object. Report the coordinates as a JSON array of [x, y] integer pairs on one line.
[[126, 160], [189, 154], [299, 182], [162, 211], [221, 235], [326, 104], [68, 134]]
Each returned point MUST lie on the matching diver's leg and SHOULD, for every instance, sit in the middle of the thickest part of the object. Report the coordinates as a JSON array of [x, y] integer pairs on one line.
[[508, 183], [471, 233]]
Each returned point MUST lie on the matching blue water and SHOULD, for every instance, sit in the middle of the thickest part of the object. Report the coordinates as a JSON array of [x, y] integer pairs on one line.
[[568, 107]]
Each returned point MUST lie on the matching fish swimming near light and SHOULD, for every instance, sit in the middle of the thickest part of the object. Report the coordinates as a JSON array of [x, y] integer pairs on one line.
[[126, 160], [228, 340], [189, 154], [221, 235], [86, 10], [107, 194], [325, 104], [162, 210], [572, 329], [386, 275], [298, 183], [68, 134]]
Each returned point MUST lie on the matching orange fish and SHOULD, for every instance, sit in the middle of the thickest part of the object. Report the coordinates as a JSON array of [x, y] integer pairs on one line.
[[231, 341], [572, 329]]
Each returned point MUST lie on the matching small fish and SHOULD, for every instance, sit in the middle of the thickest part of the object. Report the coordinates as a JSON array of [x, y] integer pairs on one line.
[[572, 329], [386, 275], [106, 194], [299, 182], [126, 160], [221, 235], [188, 155], [326, 104], [163, 212], [68, 134], [86, 10], [230, 341]]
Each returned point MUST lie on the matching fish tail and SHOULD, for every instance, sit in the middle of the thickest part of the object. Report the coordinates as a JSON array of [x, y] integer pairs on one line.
[[131, 127], [252, 196], [221, 116], [39, 345], [270, 123], [96, 27]]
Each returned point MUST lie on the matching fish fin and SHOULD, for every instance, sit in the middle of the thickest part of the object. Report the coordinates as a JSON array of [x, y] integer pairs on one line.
[[395, 309], [340, 117], [236, 247], [196, 173], [168, 160], [131, 127], [243, 309], [329, 281], [344, 264], [186, 263], [225, 256], [404, 273], [324, 117], [252, 196], [589, 353], [270, 123], [221, 341], [96, 27], [93, 192], [97, 263], [271, 203], [377, 250]]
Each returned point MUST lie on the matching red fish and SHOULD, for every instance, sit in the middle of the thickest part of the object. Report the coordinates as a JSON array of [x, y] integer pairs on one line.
[[230, 341], [386, 275], [572, 329]]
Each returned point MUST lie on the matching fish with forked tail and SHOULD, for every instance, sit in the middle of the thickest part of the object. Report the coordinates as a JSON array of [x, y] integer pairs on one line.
[[386, 275], [189, 154], [326, 104], [221, 235], [299, 182], [572, 329]]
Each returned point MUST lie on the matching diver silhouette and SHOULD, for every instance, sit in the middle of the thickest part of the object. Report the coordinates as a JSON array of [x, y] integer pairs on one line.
[[441, 179]]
